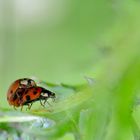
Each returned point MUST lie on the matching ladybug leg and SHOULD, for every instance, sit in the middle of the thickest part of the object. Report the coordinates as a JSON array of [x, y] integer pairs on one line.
[[42, 103], [47, 102], [29, 106]]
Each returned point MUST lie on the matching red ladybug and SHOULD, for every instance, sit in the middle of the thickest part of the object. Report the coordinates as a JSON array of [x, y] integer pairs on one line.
[[17, 88], [36, 94], [25, 92]]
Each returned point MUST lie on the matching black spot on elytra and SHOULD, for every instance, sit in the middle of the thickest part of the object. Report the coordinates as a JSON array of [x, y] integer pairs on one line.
[[11, 91], [15, 97], [28, 98], [34, 92]]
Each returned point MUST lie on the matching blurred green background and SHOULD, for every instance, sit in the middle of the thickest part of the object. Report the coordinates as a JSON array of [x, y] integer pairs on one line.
[[66, 41], [56, 41]]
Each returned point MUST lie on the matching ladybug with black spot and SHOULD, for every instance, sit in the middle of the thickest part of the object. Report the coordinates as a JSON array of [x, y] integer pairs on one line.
[[17, 88], [25, 91], [36, 94]]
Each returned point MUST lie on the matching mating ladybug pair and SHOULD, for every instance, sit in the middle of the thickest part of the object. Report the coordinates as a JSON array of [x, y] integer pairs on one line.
[[25, 92]]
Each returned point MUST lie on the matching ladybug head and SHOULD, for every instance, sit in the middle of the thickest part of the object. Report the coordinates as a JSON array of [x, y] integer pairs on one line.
[[52, 95], [47, 94]]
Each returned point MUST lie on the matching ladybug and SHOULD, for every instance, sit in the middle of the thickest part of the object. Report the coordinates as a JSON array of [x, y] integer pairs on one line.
[[25, 92], [33, 94], [17, 88]]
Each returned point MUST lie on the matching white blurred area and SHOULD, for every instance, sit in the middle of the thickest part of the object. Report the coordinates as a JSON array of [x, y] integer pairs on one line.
[[29, 12], [38, 11]]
